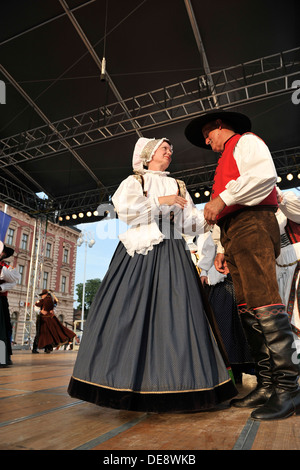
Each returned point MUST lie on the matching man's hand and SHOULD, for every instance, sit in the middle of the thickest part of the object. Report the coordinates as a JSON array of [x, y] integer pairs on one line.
[[220, 263], [212, 209]]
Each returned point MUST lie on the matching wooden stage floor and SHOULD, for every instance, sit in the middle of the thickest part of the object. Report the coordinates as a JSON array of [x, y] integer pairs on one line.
[[38, 414]]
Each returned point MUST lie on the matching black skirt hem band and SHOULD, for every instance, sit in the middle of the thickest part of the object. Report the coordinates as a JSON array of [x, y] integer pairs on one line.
[[185, 401]]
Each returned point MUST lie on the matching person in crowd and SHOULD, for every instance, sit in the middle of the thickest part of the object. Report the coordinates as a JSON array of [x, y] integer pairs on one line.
[[288, 262], [222, 299], [147, 343], [51, 331], [9, 277], [243, 204]]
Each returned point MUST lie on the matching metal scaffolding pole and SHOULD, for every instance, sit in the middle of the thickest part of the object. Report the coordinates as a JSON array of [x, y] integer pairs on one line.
[[252, 81]]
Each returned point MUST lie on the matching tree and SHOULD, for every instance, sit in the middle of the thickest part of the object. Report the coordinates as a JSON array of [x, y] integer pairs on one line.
[[91, 287]]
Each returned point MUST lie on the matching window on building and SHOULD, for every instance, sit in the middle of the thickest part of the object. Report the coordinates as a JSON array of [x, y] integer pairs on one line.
[[63, 283], [10, 236], [24, 241], [48, 250], [66, 256], [45, 280], [36, 246], [21, 271]]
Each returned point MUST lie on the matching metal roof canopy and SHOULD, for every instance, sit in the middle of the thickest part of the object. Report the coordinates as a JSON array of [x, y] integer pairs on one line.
[[69, 133]]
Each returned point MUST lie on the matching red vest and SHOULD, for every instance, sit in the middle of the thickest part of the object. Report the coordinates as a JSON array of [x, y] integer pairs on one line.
[[226, 171]]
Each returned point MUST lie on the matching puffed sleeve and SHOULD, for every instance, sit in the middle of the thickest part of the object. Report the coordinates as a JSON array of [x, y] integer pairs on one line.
[[257, 173], [139, 212], [206, 261], [190, 220], [290, 206], [10, 276], [132, 206]]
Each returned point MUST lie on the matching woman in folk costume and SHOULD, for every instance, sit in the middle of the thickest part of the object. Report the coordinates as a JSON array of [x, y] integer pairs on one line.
[[147, 343], [51, 331], [288, 262]]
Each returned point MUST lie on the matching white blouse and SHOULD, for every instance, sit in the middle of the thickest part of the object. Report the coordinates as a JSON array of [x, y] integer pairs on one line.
[[289, 256], [141, 212], [9, 277]]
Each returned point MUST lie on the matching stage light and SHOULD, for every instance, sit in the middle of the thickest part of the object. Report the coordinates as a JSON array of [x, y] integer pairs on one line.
[[289, 177], [80, 215], [68, 217], [206, 193], [89, 214], [60, 219], [298, 176], [197, 194], [279, 179], [74, 216], [95, 213]]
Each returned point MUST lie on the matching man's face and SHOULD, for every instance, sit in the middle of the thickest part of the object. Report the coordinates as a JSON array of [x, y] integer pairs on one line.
[[213, 136]]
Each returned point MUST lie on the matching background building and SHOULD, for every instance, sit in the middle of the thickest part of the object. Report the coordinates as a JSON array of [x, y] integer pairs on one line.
[[45, 256]]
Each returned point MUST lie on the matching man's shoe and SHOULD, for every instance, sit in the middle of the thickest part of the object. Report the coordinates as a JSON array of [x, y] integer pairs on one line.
[[259, 396], [282, 404]]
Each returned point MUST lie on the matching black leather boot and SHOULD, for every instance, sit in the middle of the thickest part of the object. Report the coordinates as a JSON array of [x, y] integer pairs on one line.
[[262, 359], [285, 399]]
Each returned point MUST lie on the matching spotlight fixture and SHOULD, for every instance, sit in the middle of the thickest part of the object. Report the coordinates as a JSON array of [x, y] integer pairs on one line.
[[89, 214], [206, 193], [197, 194], [279, 179], [74, 216], [81, 215], [289, 177]]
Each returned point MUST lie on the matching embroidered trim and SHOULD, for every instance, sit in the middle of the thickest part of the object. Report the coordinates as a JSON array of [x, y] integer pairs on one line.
[[290, 264]]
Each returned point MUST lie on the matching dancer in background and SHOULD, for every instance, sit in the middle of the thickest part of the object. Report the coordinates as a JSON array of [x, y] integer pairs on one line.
[[288, 262], [221, 296], [51, 331], [147, 343], [243, 204], [9, 277]]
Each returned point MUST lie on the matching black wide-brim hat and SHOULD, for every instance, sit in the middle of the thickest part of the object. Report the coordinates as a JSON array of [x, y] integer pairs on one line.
[[5, 249], [238, 121]]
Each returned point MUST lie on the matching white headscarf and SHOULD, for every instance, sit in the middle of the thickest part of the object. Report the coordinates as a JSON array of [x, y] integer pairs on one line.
[[144, 150]]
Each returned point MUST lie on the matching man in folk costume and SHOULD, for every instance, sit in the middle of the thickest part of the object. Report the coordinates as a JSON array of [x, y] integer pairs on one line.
[[243, 204], [8, 279]]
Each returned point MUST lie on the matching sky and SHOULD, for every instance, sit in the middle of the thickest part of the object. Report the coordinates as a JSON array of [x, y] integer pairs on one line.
[[105, 233]]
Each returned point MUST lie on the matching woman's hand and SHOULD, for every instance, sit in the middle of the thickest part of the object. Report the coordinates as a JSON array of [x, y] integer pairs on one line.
[[173, 199]]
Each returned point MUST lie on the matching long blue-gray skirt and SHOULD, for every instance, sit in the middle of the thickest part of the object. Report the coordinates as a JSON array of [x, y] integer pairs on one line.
[[148, 344]]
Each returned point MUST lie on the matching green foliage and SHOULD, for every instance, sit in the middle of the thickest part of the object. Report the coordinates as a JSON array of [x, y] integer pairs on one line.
[[91, 287]]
